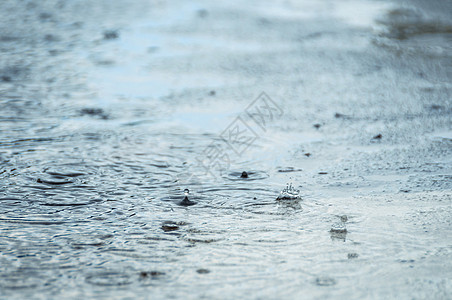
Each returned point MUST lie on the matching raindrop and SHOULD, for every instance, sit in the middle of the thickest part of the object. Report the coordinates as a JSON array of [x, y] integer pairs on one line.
[[325, 281], [289, 193], [340, 227]]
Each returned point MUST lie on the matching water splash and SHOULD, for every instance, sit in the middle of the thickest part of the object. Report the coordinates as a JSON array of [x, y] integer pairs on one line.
[[340, 227], [186, 201], [289, 193]]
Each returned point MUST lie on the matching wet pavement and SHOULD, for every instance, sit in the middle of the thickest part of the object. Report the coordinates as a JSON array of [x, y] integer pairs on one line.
[[109, 111]]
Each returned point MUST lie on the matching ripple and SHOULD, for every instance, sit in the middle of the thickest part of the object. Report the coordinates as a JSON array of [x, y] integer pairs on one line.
[[66, 204], [39, 221], [289, 193], [51, 182], [325, 281], [151, 274], [250, 175], [108, 279], [34, 222], [289, 170], [64, 175], [184, 201], [21, 280]]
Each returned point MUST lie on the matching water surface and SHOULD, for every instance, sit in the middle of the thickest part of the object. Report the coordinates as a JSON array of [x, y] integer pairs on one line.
[[106, 107]]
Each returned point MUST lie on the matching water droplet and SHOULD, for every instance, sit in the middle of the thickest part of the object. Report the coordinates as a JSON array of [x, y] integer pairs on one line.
[[340, 227], [289, 193], [325, 281]]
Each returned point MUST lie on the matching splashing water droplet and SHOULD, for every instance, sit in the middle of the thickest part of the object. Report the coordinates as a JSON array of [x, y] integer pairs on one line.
[[289, 193], [340, 227]]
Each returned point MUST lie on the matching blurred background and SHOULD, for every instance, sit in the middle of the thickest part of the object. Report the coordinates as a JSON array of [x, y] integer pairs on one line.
[[107, 107]]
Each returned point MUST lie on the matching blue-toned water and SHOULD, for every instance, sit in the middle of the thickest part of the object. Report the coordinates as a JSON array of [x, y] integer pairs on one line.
[[110, 110]]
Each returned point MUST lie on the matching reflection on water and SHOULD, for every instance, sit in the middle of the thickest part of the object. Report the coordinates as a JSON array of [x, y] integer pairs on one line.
[[105, 106]]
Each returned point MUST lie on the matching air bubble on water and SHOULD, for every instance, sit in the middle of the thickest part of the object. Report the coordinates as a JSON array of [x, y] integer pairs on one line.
[[289, 193]]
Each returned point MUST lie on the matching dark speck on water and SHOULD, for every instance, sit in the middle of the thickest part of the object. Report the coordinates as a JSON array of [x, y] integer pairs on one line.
[[244, 175]]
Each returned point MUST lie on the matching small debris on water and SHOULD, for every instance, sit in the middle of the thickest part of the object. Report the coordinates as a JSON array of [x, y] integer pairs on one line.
[[244, 175], [203, 271], [377, 137]]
